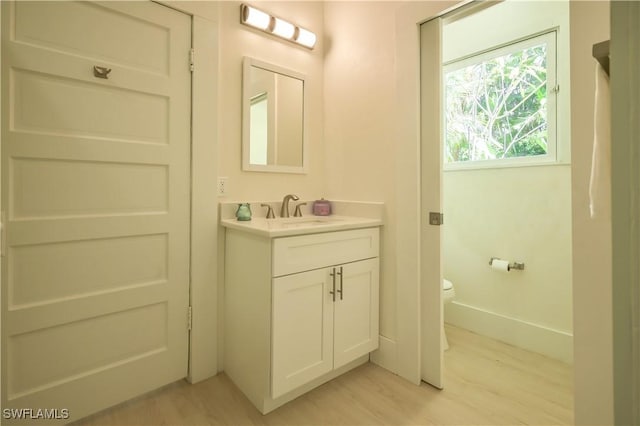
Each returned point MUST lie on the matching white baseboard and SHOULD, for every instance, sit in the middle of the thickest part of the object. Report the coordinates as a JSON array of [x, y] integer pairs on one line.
[[552, 343], [386, 355]]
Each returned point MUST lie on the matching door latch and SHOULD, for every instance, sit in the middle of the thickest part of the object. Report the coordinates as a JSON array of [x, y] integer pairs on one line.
[[436, 218], [3, 234]]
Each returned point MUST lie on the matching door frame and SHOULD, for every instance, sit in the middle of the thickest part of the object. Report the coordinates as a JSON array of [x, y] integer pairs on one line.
[[625, 159], [203, 338], [411, 229], [408, 185], [407, 363]]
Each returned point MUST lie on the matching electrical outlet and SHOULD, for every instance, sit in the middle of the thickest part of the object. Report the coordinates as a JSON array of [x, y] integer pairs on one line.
[[223, 186]]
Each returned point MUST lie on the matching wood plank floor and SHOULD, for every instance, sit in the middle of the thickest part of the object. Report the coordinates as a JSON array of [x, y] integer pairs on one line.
[[486, 383]]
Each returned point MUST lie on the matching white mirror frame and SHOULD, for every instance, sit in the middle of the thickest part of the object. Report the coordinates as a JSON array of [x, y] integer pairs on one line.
[[249, 62]]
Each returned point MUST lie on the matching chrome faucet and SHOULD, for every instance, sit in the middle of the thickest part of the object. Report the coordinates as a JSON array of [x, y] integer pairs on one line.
[[284, 210]]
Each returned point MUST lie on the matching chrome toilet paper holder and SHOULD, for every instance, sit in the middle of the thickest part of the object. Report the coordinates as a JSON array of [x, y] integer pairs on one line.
[[515, 265]]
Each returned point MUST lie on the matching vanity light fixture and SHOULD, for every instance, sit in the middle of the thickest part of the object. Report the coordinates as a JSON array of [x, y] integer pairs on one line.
[[261, 20]]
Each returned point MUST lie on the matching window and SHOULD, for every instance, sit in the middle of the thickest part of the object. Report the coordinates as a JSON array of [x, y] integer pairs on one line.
[[500, 106]]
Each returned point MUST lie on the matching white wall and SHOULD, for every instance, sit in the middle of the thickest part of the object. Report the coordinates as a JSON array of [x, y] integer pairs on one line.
[[520, 214], [236, 41], [359, 93]]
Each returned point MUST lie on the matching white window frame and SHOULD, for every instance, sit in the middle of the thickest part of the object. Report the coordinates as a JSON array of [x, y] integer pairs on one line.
[[551, 157]]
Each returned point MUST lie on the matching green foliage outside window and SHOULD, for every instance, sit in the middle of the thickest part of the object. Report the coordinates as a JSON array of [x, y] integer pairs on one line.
[[497, 108]]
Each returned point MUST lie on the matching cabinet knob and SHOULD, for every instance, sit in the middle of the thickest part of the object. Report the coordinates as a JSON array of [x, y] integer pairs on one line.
[[340, 290]]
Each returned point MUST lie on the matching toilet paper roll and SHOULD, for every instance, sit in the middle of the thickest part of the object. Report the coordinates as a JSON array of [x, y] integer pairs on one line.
[[500, 265]]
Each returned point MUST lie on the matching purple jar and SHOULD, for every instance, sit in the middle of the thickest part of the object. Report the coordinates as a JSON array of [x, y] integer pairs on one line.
[[321, 207]]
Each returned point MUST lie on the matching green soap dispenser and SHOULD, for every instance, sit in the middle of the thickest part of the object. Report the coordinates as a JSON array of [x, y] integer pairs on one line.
[[244, 211]]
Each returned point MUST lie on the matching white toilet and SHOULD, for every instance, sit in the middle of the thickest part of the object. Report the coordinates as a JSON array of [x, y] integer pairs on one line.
[[448, 294]]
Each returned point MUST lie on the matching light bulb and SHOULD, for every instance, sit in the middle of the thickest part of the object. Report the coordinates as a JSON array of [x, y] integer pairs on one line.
[[306, 38], [284, 29], [255, 18]]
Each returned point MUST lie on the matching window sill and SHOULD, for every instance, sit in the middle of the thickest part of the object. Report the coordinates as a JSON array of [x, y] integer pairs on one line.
[[479, 165]]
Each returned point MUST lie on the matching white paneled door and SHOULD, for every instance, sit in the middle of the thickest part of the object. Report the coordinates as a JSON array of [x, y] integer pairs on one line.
[[95, 201]]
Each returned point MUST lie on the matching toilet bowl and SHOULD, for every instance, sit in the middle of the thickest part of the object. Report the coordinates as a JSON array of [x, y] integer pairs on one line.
[[448, 293]]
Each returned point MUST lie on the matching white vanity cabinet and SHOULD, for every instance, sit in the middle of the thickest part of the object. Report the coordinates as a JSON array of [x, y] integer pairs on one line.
[[321, 320], [299, 310]]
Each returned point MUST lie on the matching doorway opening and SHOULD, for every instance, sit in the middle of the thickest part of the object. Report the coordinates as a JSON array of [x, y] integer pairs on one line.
[[506, 184], [505, 194]]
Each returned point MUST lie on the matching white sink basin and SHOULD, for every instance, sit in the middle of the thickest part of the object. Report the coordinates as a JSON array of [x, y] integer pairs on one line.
[[280, 227]]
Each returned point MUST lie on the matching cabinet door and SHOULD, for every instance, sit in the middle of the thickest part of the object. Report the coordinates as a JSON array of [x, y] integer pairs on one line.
[[302, 328], [356, 311]]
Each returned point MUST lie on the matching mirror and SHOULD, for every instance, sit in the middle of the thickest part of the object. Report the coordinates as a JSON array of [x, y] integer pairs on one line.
[[273, 129]]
